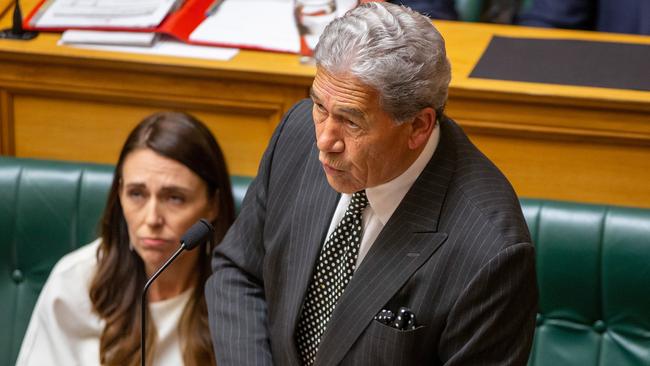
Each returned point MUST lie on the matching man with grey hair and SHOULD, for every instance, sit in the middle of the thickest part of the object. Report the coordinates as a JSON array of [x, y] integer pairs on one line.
[[375, 233]]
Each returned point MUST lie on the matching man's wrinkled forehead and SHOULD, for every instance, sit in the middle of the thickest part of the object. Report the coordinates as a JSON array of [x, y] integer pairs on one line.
[[344, 91]]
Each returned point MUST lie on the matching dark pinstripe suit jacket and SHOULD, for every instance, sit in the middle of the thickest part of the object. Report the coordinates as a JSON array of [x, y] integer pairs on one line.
[[456, 251]]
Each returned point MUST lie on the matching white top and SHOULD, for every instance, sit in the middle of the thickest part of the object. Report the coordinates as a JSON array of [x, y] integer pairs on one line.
[[384, 198], [64, 330]]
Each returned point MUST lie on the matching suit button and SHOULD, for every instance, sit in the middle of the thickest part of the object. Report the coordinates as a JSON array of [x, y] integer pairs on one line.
[[600, 326], [17, 276]]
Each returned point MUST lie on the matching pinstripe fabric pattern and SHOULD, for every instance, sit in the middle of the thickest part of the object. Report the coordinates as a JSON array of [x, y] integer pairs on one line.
[[456, 252]]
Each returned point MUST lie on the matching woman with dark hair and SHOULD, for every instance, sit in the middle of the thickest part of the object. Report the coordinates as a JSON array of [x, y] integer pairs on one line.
[[170, 173]]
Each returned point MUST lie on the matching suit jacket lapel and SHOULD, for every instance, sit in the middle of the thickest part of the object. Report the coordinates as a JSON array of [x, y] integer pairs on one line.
[[316, 202], [407, 241]]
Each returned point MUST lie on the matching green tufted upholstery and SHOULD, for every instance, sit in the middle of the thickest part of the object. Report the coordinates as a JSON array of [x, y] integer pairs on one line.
[[47, 209], [593, 261], [593, 268]]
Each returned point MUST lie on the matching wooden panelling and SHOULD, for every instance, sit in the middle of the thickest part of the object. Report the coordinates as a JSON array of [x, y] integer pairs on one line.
[[614, 125], [60, 128], [84, 110], [571, 169], [552, 141], [6, 124]]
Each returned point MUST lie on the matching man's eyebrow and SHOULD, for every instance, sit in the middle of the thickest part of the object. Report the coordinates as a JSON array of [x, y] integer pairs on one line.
[[313, 95], [354, 112]]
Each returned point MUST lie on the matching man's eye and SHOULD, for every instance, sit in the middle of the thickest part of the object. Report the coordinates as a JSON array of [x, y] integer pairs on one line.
[[351, 124]]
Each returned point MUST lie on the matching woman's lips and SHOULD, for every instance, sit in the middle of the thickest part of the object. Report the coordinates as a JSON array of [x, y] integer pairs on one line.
[[154, 242]]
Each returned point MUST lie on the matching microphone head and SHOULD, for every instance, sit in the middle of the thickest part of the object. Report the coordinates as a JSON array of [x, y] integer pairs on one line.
[[198, 234]]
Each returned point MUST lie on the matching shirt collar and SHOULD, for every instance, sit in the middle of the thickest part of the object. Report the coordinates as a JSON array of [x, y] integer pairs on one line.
[[385, 197]]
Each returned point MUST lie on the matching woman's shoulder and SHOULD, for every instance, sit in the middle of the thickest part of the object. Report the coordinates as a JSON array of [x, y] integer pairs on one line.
[[80, 261], [65, 293], [63, 328], [71, 276]]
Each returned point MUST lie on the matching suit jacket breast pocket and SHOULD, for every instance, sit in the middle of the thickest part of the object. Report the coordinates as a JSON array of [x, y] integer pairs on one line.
[[384, 345]]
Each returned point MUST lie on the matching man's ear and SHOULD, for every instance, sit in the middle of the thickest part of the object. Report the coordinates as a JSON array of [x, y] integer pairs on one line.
[[421, 127]]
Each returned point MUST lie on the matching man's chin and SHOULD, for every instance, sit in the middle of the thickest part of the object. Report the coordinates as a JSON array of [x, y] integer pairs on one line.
[[341, 185]]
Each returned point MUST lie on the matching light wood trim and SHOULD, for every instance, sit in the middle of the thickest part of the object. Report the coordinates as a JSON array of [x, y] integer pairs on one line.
[[553, 120]]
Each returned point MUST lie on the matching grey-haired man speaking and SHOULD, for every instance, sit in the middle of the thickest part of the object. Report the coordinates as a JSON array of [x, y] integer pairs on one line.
[[375, 233]]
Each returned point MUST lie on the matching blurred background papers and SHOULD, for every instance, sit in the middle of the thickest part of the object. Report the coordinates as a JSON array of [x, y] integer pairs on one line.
[[102, 13], [256, 24], [263, 24]]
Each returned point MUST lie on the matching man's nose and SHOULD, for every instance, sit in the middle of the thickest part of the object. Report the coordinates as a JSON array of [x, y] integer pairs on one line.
[[328, 136]]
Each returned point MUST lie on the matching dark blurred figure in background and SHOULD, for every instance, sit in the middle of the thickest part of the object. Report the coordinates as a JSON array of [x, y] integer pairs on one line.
[[435, 9], [488, 11], [619, 16]]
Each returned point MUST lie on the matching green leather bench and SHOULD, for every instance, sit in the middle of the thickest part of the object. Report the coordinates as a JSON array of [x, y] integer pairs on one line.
[[593, 261], [593, 274]]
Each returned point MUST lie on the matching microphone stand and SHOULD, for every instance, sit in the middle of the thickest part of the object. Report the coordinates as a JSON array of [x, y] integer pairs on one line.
[[197, 234], [143, 304], [16, 31]]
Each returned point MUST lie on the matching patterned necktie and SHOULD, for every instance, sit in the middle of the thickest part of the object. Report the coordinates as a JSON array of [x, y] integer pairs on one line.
[[334, 269]]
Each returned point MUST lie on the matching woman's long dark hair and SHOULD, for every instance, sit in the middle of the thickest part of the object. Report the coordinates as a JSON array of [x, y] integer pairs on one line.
[[115, 290]]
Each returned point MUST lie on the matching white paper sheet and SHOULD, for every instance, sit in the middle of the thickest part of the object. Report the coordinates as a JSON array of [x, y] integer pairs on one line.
[[103, 13], [109, 38], [170, 47]]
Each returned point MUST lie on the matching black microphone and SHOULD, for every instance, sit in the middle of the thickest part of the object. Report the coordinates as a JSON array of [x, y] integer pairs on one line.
[[196, 235], [16, 31]]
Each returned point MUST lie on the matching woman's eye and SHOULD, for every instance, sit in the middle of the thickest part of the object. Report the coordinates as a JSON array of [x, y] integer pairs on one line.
[[135, 194], [176, 199]]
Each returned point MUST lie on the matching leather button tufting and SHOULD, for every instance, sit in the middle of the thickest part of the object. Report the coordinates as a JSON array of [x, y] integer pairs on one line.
[[17, 276], [600, 326]]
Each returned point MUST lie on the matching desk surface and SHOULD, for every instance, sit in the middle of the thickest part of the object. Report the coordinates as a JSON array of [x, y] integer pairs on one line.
[[593, 142], [465, 44]]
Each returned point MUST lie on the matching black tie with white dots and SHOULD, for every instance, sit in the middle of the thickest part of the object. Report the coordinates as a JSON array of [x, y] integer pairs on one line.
[[334, 268]]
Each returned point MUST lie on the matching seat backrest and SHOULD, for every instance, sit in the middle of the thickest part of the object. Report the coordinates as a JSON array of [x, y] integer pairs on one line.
[[593, 268], [47, 209]]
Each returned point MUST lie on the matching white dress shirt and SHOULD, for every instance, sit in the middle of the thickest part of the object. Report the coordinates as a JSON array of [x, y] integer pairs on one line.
[[64, 330], [384, 198]]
